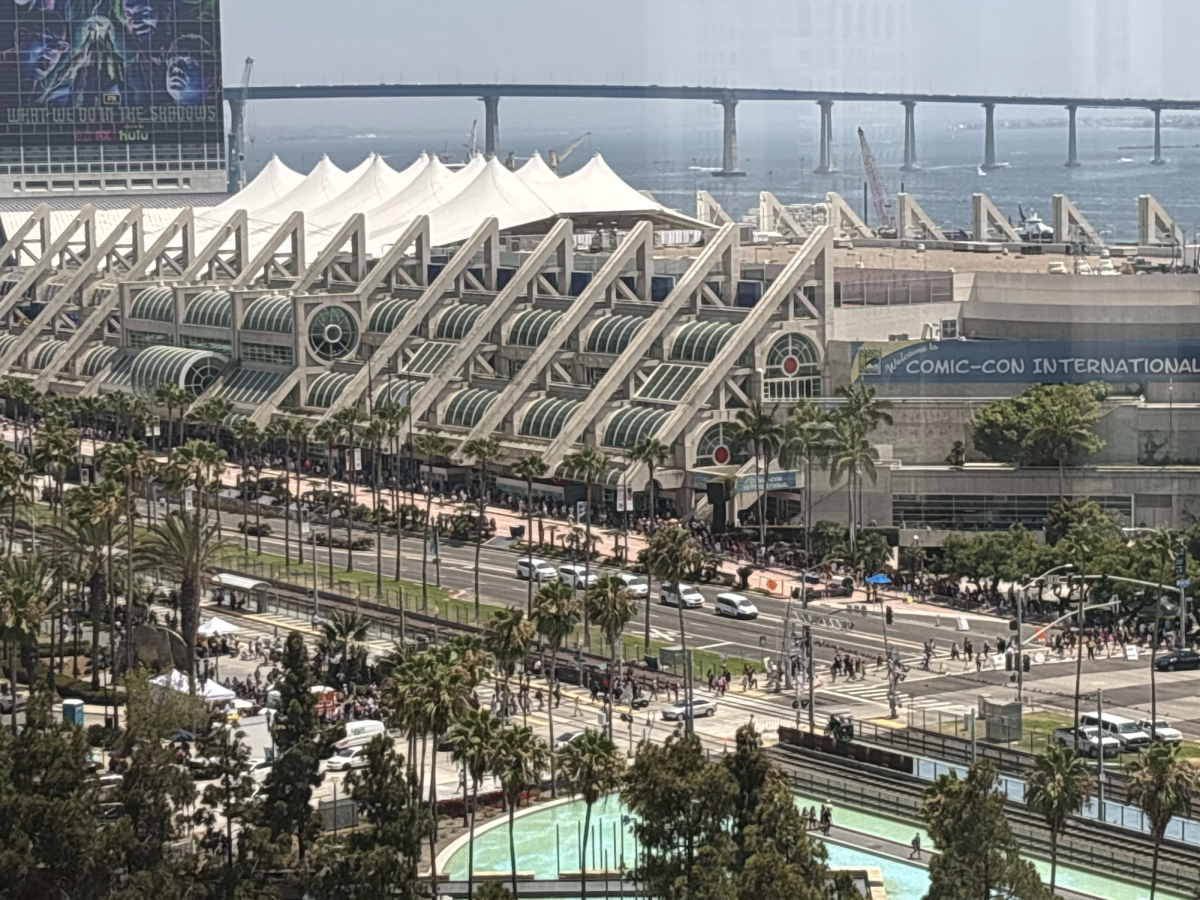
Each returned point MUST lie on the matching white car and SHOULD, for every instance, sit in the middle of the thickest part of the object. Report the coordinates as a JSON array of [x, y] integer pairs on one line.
[[578, 577], [691, 598], [637, 584], [565, 738], [735, 606], [1162, 731], [1090, 741], [350, 758], [258, 768], [700, 708], [535, 570]]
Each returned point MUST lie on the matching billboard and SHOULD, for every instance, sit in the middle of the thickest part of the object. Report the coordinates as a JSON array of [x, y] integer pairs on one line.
[[109, 71], [1025, 362]]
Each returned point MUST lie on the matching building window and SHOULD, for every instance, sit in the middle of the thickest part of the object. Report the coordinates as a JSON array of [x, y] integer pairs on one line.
[[214, 345], [793, 372], [989, 512], [717, 449], [267, 353], [142, 339]]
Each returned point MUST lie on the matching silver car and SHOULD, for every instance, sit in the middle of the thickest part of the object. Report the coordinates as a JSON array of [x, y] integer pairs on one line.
[[700, 709]]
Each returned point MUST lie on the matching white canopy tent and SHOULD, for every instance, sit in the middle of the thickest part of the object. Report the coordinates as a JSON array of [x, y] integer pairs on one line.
[[376, 187], [495, 191], [216, 626], [209, 690]]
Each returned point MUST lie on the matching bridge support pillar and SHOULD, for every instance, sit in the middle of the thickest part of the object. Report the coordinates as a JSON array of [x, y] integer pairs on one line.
[[491, 125], [826, 167], [235, 157], [910, 137], [1072, 144], [729, 163], [1158, 157], [989, 139]]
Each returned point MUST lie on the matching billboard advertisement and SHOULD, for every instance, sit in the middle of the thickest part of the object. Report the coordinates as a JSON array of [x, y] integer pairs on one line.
[[1025, 362], [109, 71]]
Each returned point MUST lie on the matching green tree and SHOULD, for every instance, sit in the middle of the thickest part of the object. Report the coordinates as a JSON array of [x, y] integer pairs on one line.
[[978, 857], [27, 596], [650, 452], [506, 637], [1062, 414], [590, 462], [330, 433], [556, 612], [293, 431], [376, 435], [172, 397], [349, 419], [1065, 430], [433, 447], [1161, 783], [853, 456], [343, 638], [671, 554], [249, 439], [1085, 517], [1163, 545], [483, 451], [393, 415], [528, 468], [1058, 787], [757, 430], [612, 606], [128, 463], [806, 438], [591, 768], [519, 761], [16, 485], [475, 737]]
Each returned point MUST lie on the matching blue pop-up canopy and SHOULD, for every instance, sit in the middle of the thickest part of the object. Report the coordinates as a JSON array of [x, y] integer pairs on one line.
[[879, 579]]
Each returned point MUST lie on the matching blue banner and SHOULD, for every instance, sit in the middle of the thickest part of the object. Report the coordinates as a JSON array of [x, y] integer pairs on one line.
[[1046, 362]]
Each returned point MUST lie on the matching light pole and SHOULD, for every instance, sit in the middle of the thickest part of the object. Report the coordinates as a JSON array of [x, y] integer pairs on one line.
[[1022, 599]]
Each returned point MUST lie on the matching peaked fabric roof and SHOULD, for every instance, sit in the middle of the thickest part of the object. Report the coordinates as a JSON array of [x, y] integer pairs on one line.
[[495, 191], [434, 186], [377, 185]]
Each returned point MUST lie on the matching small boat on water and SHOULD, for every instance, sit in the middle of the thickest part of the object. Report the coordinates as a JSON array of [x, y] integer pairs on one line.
[[979, 171]]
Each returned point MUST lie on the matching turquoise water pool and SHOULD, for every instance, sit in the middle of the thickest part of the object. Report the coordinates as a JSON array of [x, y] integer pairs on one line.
[[547, 844]]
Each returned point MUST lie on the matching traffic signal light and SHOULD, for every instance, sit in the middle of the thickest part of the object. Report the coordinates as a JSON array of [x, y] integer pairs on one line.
[[888, 615], [1012, 624], [1025, 661], [796, 592], [1008, 662]]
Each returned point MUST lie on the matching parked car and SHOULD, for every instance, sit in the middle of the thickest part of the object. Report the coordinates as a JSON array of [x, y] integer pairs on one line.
[[700, 708], [350, 758], [259, 768], [577, 577], [636, 583], [690, 597], [1126, 731], [1178, 659], [736, 606], [535, 570], [1161, 731], [565, 738], [1089, 741]]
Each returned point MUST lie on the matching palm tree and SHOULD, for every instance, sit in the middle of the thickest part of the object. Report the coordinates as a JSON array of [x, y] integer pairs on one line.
[[329, 433], [249, 439], [394, 416], [172, 397], [650, 452], [591, 768], [344, 635], [185, 548], [203, 463], [483, 451], [16, 485], [294, 431], [519, 761], [376, 435], [128, 462], [805, 442], [212, 414], [591, 463], [26, 598], [852, 455], [433, 447], [1161, 783], [506, 637], [350, 418], [1163, 544], [1058, 787], [671, 554], [756, 430], [56, 451], [555, 615], [475, 738], [1066, 429], [529, 468], [611, 606]]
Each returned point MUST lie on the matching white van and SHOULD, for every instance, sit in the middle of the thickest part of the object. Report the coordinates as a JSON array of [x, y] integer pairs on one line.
[[1128, 732], [359, 733]]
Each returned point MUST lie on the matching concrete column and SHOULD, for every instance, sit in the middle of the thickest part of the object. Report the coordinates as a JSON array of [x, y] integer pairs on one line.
[[235, 158], [989, 140], [491, 125], [729, 166], [1158, 157], [826, 167], [1072, 145], [910, 137]]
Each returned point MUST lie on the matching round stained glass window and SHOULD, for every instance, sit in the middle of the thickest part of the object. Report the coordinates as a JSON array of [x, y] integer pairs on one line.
[[332, 333], [721, 455]]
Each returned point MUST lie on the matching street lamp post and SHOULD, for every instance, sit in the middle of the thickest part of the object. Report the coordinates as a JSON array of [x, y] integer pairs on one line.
[[1021, 600]]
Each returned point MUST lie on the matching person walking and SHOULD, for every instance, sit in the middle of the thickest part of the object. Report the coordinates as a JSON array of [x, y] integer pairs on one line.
[[916, 847]]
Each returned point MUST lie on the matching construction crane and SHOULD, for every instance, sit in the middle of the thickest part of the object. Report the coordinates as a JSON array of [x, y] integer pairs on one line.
[[472, 148], [556, 158], [237, 132], [883, 209]]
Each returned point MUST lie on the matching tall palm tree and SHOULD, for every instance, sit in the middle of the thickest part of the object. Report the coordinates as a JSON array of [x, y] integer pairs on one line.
[[27, 596], [1058, 787], [350, 418], [555, 615], [519, 761], [852, 455], [1066, 429], [376, 435], [294, 432], [590, 462], [475, 737], [757, 430], [671, 554], [212, 414], [591, 767], [16, 485], [611, 606], [329, 433], [528, 468], [185, 548], [650, 452], [128, 462], [506, 637], [55, 452], [203, 464], [249, 439], [806, 434], [1164, 544], [433, 447], [394, 416], [483, 451], [1161, 783], [172, 397], [344, 635]]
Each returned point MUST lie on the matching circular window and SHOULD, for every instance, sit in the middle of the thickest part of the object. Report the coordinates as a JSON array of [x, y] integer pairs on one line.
[[200, 375], [332, 333], [791, 365], [721, 455]]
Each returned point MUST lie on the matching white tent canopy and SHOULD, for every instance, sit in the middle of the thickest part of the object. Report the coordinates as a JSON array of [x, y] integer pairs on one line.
[[215, 626], [374, 188], [209, 690], [495, 191]]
